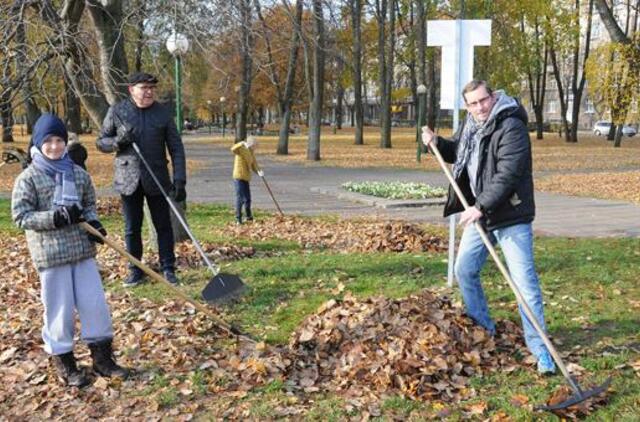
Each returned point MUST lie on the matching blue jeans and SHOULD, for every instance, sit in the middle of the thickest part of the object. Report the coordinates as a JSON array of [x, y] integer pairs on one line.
[[516, 243], [243, 197], [132, 205]]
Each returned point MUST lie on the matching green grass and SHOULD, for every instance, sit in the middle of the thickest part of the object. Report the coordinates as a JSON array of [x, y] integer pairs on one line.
[[590, 287]]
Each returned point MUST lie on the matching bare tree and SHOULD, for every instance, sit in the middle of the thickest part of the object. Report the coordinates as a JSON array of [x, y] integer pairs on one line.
[[315, 106], [246, 48], [385, 12], [356, 60], [537, 74]]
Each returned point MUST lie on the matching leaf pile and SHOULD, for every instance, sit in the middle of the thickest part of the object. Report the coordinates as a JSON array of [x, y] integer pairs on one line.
[[421, 347], [344, 235]]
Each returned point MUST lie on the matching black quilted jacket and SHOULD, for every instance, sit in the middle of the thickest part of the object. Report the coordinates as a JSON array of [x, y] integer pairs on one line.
[[155, 133]]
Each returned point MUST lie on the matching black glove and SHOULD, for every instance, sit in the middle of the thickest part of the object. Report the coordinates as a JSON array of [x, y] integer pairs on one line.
[[178, 191], [67, 215], [124, 136], [98, 226]]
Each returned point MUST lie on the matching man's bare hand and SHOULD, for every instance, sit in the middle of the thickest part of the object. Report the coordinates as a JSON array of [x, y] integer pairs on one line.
[[428, 137], [469, 216]]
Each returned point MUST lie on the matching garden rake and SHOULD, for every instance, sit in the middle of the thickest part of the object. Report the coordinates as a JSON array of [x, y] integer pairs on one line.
[[579, 394], [271, 194]]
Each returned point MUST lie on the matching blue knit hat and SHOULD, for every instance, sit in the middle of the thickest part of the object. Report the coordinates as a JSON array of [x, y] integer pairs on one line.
[[48, 125]]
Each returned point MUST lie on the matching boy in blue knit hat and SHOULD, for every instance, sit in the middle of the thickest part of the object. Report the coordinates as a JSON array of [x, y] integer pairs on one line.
[[49, 198]]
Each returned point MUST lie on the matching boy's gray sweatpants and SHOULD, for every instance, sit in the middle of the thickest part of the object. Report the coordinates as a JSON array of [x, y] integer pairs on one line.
[[67, 288]]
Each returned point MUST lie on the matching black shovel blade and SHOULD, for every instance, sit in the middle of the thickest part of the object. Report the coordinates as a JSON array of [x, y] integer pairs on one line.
[[578, 398], [223, 287]]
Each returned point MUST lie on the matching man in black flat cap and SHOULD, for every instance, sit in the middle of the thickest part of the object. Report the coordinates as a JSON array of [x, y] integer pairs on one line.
[[140, 119]]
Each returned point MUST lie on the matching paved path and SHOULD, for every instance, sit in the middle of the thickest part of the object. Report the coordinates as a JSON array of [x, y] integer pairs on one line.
[[298, 189]]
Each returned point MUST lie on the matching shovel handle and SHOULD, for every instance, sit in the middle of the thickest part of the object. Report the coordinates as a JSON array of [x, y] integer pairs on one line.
[[520, 299], [217, 321]]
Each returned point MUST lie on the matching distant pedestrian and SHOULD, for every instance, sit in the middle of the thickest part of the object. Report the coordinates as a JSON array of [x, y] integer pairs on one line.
[[491, 153], [49, 198], [243, 164]]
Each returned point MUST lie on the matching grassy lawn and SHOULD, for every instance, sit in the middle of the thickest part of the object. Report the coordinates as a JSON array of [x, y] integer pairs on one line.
[[592, 306]]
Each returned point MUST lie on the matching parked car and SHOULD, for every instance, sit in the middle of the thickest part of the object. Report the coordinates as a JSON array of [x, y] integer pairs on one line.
[[602, 128]]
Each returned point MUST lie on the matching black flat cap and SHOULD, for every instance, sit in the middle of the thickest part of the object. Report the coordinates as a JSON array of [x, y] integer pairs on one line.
[[141, 77]]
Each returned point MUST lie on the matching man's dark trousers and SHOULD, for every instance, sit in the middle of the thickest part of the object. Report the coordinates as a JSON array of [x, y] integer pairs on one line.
[[132, 206]]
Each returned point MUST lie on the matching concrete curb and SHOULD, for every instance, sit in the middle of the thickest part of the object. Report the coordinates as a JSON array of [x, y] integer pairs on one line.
[[375, 201]]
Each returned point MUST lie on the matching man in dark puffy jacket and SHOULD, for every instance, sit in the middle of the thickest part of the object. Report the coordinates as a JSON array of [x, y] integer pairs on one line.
[[140, 119], [491, 153]]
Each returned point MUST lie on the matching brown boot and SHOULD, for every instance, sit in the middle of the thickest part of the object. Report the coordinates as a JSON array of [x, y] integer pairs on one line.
[[104, 362], [68, 372]]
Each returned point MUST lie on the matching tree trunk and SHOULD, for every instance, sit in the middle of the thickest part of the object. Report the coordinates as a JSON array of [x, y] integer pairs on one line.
[[563, 103], [72, 109], [339, 105], [537, 78], [140, 38], [617, 142], [31, 108], [577, 87], [315, 108], [609, 20], [6, 116], [356, 15], [386, 40], [421, 46], [108, 21], [246, 47], [75, 65], [287, 100]]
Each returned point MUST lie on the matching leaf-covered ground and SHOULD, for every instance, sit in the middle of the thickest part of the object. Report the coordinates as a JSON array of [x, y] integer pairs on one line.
[[357, 235], [378, 355], [177, 353], [624, 186]]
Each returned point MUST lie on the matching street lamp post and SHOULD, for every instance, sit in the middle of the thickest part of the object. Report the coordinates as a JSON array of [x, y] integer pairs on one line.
[[224, 116], [210, 115], [422, 93], [335, 115], [178, 45]]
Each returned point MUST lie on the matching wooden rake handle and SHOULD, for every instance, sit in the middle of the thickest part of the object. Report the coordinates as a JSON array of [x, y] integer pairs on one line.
[[157, 277], [272, 197], [485, 239]]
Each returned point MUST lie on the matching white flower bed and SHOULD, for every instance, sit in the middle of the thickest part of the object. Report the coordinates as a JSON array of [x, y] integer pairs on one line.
[[395, 190]]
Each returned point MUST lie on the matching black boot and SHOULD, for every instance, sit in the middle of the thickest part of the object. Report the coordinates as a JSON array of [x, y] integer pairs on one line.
[[104, 362], [68, 372]]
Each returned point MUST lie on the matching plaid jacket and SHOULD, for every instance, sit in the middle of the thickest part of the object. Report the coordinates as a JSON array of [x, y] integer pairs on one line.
[[32, 210], [244, 162]]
